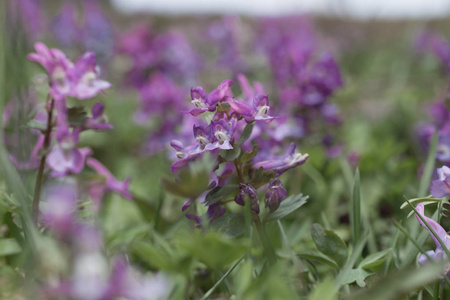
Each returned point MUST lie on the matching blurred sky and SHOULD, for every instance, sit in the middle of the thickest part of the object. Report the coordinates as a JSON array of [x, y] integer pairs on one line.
[[361, 9]]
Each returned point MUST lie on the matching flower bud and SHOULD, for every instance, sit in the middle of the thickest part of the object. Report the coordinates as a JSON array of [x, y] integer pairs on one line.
[[248, 190], [274, 195]]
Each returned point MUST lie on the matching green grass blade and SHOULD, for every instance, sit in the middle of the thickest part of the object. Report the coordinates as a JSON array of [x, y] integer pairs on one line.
[[355, 216], [211, 290]]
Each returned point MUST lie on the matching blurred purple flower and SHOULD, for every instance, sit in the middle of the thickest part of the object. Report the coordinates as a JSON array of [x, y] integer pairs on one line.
[[441, 187], [59, 207], [438, 254], [283, 163], [78, 80]]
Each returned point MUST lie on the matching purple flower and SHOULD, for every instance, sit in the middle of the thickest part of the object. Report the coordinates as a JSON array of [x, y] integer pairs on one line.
[[112, 184], [184, 154], [78, 80], [66, 158], [443, 148], [257, 112], [441, 187], [84, 77], [215, 211], [284, 163], [274, 195], [98, 121], [59, 207], [203, 102], [438, 254], [57, 66]]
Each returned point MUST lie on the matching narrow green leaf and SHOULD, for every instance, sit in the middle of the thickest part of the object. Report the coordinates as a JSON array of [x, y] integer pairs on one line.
[[374, 260], [287, 206], [319, 258], [429, 199], [355, 216], [211, 290], [330, 244], [246, 133]]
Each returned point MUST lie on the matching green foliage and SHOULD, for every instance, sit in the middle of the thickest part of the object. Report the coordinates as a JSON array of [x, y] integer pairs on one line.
[[210, 248], [287, 206], [9, 247], [220, 193], [192, 181], [261, 177], [232, 225], [248, 156], [330, 244]]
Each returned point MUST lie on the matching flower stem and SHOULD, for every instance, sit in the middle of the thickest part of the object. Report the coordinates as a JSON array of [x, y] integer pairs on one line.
[[38, 185], [268, 249], [239, 171]]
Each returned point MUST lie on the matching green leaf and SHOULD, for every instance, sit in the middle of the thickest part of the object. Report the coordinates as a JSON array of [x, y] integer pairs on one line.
[[34, 124], [330, 244], [248, 156], [374, 261], [356, 253], [9, 247], [220, 193], [261, 177], [232, 154], [232, 225], [326, 290], [243, 277], [425, 200], [358, 275], [77, 116], [319, 258], [287, 206], [246, 133]]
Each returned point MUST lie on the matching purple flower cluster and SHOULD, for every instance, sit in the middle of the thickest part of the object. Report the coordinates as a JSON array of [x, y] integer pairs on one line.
[[93, 276], [226, 133], [306, 78], [438, 45], [169, 53], [224, 35], [162, 65], [79, 80]]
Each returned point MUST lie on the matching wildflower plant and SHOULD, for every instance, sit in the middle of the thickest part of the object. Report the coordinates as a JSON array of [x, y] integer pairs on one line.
[[239, 170]]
